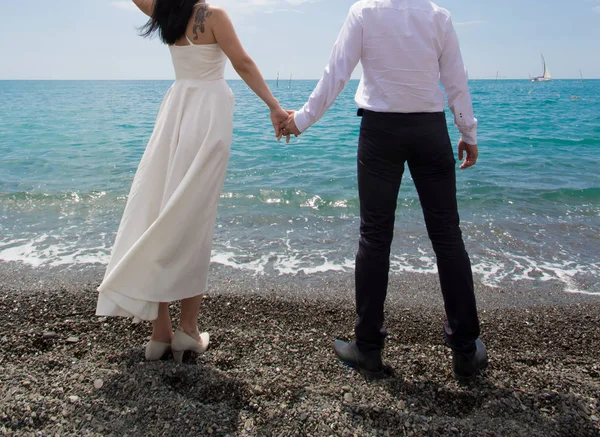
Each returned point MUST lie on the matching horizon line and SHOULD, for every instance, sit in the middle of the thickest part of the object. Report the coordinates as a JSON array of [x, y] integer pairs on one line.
[[266, 79]]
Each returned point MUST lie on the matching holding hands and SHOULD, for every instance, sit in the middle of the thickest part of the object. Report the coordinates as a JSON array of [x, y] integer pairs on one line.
[[278, 117], [289, 127], [284, 124]]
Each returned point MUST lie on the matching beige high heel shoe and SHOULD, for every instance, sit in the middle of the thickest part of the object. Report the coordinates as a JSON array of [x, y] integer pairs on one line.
[[183, 342], [156, 349]]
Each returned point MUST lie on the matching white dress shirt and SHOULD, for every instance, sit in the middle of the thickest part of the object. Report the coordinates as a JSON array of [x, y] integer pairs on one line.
[[406, 47]]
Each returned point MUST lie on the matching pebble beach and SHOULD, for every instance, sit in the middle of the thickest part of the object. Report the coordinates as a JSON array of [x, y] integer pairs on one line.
[[270, 370]]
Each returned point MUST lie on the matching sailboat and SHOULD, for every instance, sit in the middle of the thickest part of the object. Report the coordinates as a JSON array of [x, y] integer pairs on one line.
[[546, 77]]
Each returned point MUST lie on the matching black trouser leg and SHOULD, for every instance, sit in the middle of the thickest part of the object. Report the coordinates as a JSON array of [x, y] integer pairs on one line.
[[380, 168], [432, 166]]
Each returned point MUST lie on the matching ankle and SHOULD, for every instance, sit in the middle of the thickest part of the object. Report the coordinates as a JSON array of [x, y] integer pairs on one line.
[[162, 332], [162, 337], [191, 330]]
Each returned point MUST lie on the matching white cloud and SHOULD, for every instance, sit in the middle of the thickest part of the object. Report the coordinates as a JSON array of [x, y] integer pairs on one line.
[[273, 2], [243, 6], [268, 6], [596, 7]]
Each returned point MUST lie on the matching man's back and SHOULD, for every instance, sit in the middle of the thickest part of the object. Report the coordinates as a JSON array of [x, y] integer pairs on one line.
[[402, 43], [406, 47]]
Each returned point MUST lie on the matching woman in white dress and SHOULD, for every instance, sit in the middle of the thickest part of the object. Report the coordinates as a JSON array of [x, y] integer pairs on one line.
[[162, 250]]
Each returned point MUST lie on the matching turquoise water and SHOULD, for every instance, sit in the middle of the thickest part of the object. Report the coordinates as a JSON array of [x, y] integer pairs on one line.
[[530, 209]]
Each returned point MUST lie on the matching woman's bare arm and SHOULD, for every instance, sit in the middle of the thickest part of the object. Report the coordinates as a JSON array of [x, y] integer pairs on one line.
[[242, 63], [146, 6]]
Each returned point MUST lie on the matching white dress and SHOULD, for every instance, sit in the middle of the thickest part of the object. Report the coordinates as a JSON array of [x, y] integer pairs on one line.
[[163, 246]]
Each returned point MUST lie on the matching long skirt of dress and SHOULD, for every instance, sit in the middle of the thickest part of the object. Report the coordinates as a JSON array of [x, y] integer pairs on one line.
[[163, 246]]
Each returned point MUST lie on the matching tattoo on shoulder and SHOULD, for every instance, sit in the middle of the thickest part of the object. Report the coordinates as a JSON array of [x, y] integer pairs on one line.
[[201, 15]]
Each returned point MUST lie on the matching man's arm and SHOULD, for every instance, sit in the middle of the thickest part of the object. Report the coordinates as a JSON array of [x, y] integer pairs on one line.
[[146, 6], [344, 58], [454, 79]]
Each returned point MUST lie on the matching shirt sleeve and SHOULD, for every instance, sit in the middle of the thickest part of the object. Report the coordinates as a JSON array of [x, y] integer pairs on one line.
[[456, 83], [344, 58]]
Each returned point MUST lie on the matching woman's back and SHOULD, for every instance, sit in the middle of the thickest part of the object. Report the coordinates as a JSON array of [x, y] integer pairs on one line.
[[198, 62], [197, 55]]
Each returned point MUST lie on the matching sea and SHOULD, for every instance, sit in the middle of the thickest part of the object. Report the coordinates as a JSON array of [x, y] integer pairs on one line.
[[530, 208]]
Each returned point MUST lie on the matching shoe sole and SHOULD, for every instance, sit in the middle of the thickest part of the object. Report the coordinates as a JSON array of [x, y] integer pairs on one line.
[[467, 379], [368, 374], [197, 348]]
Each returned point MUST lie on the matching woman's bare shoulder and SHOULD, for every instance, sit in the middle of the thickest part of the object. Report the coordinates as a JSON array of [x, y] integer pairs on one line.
[[215, 10], [205, 12]]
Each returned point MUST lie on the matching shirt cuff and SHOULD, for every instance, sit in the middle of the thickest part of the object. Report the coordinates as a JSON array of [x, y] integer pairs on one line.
[[469, 136], [301, 120]]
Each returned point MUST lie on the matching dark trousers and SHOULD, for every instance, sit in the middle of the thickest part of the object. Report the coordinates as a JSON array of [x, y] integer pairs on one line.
[[387, 141]]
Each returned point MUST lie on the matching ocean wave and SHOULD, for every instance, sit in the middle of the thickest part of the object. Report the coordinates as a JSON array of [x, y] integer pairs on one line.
[[585, 194], [493, 268], [290, 197], [68, 196], [42, 253], [540, 200]]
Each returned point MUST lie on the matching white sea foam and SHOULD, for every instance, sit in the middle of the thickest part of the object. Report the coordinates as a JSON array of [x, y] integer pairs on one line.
[[408, 264], [23, 251], [492, 268], [313, 203], [230, 259], [488, 272], [294, 264], [291, 263], [38, 253], [497, 268]]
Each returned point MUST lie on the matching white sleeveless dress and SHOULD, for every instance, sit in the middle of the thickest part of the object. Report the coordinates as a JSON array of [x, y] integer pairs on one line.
[[163, 246]]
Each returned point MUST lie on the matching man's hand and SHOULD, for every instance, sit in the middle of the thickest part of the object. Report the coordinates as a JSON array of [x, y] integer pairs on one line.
[[472, 153], [289, 127]]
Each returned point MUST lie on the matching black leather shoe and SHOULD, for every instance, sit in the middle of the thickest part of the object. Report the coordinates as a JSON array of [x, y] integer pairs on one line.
[[467, 367], [368, 364]]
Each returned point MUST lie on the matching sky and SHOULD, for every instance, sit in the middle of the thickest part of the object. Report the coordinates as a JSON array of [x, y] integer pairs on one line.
[[97, 39]]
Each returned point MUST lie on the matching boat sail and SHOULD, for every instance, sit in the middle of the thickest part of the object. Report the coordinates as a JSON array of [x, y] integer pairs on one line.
[[547, 77]]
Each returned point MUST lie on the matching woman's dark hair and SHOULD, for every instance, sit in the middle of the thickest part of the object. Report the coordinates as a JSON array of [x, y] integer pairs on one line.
[[170, 19]]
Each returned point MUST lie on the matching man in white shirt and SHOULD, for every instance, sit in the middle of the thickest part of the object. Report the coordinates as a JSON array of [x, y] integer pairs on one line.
[[406, 48]]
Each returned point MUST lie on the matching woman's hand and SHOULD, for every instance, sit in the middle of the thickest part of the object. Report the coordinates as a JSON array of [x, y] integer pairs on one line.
[[289, 127], [146, 6], [278, 117]]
